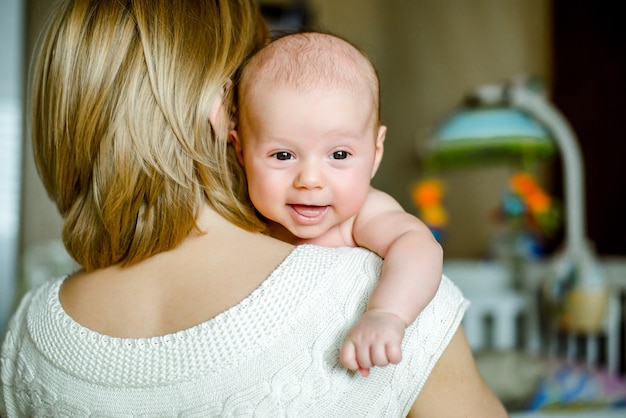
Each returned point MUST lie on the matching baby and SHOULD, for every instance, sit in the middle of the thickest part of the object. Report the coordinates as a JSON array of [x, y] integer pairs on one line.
[[310, 140]]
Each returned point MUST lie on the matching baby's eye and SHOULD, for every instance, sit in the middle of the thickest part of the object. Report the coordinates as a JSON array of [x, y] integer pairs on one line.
[[339, 155], [283, 155]]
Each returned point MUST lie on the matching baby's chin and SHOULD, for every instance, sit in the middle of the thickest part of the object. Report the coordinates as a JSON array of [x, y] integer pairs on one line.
[[282, 233]]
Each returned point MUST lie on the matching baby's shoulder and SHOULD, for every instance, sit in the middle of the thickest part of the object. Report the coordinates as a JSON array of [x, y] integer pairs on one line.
[[379, 200]]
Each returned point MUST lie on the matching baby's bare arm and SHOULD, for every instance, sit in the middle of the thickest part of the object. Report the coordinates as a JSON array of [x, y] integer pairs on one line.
[[413, 262], [410, 278]]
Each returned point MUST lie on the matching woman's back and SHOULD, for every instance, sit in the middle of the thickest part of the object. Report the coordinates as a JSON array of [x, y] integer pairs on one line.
[[275, 353]]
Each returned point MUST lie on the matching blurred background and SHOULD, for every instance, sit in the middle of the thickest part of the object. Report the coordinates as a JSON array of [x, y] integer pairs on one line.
[[429, 54]]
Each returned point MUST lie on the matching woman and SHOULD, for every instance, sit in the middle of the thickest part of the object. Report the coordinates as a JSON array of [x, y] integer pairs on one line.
[[183, 306]]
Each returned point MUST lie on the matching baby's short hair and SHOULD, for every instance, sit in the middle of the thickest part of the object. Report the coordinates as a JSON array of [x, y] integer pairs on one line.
[[308, 60]]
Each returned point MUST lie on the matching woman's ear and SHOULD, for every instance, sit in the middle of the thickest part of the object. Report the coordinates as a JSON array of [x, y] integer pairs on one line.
[[380, 147], [216, 110], [216, 113]]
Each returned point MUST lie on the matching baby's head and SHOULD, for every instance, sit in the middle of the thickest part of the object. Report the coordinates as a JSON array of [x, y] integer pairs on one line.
[[306, 61], [308, 133]]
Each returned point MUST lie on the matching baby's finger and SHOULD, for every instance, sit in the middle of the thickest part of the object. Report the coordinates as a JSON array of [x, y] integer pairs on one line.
[[378, 354], [394, 353], [363, 357], [347, 356]]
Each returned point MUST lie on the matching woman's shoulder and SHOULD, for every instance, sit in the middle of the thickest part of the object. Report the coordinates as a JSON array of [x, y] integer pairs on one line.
[[33, 309], [318, 259], [314, 253], [344, 265], [314, 271], [36, 301], [351, 271]]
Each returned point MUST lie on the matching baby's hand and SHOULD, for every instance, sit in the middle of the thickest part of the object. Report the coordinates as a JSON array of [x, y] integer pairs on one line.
[[374, 341]]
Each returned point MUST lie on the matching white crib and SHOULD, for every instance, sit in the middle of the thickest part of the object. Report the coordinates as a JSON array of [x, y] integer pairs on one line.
[[494, 321], [502, 319]]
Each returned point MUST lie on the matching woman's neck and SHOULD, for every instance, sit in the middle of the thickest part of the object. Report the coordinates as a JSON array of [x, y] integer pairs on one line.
[[176, 289]]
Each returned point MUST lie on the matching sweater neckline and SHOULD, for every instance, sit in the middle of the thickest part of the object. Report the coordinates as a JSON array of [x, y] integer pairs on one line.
[[222, 341]]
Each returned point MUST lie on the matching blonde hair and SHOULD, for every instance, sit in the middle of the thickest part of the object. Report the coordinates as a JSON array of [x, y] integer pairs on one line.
[[308, 60], [121, 95]]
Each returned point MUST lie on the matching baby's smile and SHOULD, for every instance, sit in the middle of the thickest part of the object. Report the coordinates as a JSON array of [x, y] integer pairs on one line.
[[308, 214]]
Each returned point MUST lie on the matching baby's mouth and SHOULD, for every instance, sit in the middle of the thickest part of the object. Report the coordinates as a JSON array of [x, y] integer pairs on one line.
[[308, 213]]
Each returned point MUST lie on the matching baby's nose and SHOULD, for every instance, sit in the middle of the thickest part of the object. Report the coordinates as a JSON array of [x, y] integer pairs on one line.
[[310, 176]]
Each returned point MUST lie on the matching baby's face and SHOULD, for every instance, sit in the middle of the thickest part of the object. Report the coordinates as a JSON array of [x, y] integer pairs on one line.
[[309, 156]]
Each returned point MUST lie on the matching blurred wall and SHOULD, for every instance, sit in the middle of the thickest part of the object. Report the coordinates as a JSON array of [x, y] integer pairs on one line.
[[429, 53]]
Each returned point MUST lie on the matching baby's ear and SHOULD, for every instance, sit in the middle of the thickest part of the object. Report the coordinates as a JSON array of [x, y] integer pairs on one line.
[[233, 136], [380, 147]]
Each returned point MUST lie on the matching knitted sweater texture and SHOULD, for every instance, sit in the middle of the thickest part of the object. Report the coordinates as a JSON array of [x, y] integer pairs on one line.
[[275, 354]]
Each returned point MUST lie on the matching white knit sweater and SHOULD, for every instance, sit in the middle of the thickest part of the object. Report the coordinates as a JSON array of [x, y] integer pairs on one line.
[[275, 354]]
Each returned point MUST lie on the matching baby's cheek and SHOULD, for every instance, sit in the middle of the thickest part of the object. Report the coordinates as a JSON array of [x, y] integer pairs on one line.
[[353, 200], [262, 196]]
